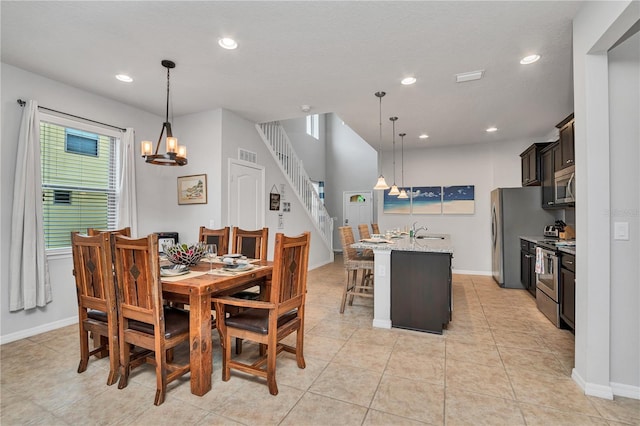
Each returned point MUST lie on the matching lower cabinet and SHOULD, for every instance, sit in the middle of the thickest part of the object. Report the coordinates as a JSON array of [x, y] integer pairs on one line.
[[528, 266], [421, 296], [568, 290]]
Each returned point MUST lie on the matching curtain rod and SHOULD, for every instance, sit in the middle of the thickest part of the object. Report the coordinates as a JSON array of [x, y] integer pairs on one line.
[[23, 103]]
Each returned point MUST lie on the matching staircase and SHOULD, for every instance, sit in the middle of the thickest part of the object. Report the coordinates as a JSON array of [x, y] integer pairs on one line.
[[280, 147]]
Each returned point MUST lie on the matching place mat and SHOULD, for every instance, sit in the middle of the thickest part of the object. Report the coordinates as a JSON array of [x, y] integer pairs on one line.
[[218, 261], [191, 274], [225, 273], [376, 241]]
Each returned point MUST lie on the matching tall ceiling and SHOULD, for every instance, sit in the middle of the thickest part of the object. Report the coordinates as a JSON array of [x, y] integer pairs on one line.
[[332, 56]]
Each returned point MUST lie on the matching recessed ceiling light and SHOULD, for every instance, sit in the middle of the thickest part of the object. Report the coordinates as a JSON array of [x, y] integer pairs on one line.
[[529, 59], [423, 136], [492, 129], [408, 80], [228, 43], [124, 77]]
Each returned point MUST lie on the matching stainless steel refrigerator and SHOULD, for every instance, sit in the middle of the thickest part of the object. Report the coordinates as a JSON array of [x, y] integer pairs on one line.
[[515, 212]]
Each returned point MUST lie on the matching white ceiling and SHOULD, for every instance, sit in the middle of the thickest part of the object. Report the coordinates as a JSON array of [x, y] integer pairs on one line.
[[332, 56]]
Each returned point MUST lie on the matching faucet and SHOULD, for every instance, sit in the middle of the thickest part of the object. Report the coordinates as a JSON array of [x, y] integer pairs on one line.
[[414, 231]]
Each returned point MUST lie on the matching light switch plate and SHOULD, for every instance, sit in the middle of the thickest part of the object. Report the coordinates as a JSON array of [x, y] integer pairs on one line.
[[621, 231]]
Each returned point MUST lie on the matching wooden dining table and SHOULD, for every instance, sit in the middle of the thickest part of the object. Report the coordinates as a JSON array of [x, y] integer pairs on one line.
[[197, 292]]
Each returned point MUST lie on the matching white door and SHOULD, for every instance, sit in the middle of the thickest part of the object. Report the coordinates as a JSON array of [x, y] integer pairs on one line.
[[246, 195], [357, 208]]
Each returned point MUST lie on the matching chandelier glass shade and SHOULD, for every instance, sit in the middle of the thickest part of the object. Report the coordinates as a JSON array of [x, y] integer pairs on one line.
[[382, 183], [176, 155]]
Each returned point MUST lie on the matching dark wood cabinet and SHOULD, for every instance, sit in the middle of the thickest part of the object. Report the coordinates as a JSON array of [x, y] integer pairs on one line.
[[568, 290], [567, 143], [420, 290], [528, 266], [531, 160]]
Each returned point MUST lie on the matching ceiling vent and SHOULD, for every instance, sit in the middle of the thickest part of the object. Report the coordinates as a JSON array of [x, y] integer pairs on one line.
[[249, 156], [469, 76]]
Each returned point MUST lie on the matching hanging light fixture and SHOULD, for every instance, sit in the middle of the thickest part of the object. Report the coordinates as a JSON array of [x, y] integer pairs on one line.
[[176, 155], [403, 193], [381, 184], [394, 188]]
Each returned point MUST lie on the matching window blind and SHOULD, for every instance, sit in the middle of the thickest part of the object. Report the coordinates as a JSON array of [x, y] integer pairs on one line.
[[78, 190]]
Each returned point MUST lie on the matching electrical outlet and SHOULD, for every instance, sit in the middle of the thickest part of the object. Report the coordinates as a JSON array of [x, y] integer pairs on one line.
[[621, 231]]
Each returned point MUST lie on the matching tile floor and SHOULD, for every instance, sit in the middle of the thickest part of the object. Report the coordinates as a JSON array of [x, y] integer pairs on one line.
[[500, 362]]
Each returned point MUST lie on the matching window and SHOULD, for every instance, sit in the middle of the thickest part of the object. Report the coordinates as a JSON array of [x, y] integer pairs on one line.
[[78, 178], [313, 126]]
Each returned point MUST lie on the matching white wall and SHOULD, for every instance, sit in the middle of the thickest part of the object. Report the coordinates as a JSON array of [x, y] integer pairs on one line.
[[310, 151], [596, 28], [17, 83], [351, 166], [624, 95], [485, 166]]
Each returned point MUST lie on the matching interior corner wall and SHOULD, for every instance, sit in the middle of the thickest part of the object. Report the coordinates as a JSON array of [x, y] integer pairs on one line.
[[596, 28], [624, 97], [352, 165], [17, 83]]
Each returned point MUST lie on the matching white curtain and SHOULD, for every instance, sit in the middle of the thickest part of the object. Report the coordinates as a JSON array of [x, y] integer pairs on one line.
[[29, 284], [127, 209]]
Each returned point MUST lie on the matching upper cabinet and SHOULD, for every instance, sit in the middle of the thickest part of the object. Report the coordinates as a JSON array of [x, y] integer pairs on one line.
[[532, 164], [566, 142]]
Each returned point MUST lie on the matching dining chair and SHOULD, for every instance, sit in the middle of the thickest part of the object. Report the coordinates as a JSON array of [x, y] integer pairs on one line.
[[353, 264], [143, 321], [122, 231], [220, 237], [375, 228], [363, 230], [252, 244], [97, 305], [270, 320]]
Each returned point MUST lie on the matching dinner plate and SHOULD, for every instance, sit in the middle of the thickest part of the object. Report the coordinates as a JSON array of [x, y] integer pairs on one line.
[[173, 270], [233, 255], [374, 240], [237, 267]]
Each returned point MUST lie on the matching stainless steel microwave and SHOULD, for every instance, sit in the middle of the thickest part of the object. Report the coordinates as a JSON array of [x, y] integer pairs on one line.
[[565, 184]]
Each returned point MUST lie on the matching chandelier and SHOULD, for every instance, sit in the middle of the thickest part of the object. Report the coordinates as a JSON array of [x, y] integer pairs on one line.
[[381, 184], [176, 155], [403, 192]]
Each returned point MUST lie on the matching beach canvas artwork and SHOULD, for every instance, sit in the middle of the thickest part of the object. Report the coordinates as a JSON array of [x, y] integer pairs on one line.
[[395, 205], [426, 199], [458, 199]]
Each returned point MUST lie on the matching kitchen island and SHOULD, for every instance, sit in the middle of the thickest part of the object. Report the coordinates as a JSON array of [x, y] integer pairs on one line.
[[412, 279]]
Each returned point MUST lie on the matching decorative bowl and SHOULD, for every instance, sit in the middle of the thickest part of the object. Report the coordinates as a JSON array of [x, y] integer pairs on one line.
[[185, 255]]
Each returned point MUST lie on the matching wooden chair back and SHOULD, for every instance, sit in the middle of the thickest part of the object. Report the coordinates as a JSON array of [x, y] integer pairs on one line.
[[220, 237], [97, 303], [375, 228], [143, 321], [123, 231], [271, 320], [346, 239], [252, 244], [363, 230]]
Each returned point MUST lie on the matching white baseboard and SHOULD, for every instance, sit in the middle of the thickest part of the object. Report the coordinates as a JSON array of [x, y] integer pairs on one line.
[[592, 389], [22, 334], [469, 272], [627, 391], [382, 323]]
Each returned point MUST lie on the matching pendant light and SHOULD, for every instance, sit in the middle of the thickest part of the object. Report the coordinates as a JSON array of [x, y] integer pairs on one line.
[[176, 155], [381, 184], [394, 188], [403, 193]]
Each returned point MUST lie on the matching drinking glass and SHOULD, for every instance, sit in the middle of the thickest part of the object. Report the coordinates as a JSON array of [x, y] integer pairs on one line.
[[211, 253]]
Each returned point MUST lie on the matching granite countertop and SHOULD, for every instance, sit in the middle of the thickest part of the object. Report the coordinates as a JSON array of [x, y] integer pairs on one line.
[[568, 250], [533, 239], [560, 248], [429, 243]]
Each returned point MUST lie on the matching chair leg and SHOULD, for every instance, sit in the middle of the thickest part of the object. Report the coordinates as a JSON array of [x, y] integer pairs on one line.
[[84, 349], [161, 376], [125, 350], [354, 283], [226, 357], [271, 368], [345, 292], [300, 348], [238, 346]]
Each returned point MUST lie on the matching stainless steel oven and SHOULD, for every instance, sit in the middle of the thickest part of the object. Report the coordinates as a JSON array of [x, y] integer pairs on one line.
[[547, 282]]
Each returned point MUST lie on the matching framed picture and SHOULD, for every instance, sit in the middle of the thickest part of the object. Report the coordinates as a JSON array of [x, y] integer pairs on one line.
[[394, 205], [458, 199], [192, 189], [426, 200], [274, 201]]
